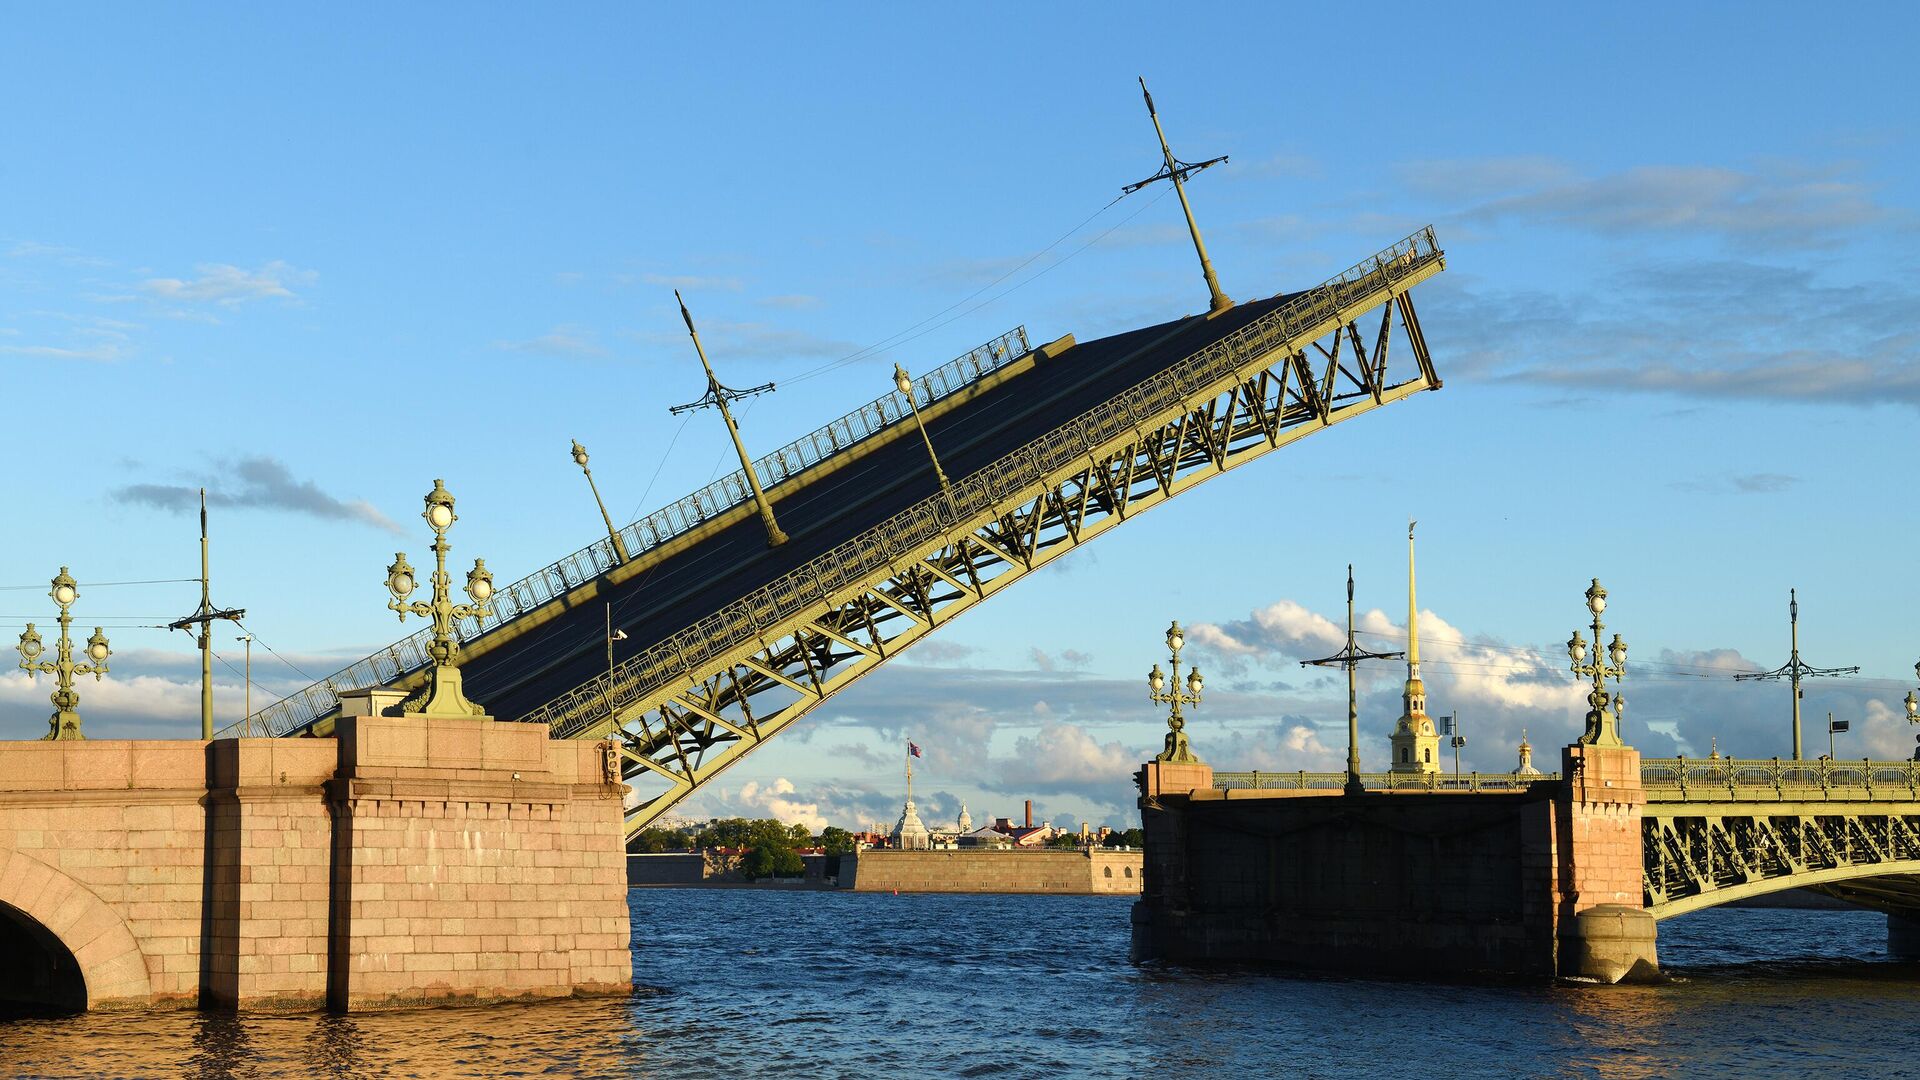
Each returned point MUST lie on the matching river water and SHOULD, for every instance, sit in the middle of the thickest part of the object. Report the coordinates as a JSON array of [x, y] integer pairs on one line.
[[750, 982]]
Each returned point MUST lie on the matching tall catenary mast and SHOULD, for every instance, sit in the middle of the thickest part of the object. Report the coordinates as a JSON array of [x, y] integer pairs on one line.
[[203, 617]]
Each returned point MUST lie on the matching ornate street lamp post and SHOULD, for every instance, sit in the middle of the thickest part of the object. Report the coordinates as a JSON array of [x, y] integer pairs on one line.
[[1603, 724], [580, 459], [904, 383], [445, 697], [1158, 693], [65, 721]]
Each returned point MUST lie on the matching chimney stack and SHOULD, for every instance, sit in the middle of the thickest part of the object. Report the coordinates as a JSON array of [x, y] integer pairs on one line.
[[1029, 813]]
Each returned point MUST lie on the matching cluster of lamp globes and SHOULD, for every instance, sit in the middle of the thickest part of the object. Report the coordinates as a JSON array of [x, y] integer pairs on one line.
[[1157, 682], [1577, 645], [401, 580], [65, 591]]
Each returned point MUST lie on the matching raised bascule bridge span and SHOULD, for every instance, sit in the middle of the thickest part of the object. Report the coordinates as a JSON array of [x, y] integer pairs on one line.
[[728, 641]]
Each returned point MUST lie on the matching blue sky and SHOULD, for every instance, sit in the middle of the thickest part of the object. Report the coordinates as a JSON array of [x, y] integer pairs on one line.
[[314, 260]]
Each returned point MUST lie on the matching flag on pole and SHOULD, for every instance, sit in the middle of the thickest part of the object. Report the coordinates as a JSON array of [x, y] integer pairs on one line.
[[912, 748]]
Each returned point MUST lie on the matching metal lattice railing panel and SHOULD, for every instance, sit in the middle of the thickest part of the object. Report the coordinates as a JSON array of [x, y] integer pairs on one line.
[[1378, 781], [677, 518], [1778, 780]]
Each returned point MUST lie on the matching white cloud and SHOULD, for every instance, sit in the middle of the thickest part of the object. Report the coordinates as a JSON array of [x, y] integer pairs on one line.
[[102, 353], [774, 801], [223, 283], [1780, 201], [559, 341], [791, 301], [691, 282]]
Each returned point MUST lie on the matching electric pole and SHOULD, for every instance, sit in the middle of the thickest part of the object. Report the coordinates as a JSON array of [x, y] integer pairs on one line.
[[1350, 658], [203, 618], [1796, 669]]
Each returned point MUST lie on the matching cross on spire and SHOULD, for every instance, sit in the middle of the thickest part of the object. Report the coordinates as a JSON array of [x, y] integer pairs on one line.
[[1177, 171]]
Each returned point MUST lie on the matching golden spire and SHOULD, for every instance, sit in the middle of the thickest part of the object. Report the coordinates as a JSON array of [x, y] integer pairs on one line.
[[1413, 612]]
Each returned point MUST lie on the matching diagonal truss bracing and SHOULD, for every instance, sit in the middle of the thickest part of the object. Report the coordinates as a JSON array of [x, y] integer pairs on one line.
[[1698, 857], [688, 707]]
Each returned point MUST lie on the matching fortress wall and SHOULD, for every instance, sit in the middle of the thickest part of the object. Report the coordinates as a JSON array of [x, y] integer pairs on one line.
[[1070, 872]]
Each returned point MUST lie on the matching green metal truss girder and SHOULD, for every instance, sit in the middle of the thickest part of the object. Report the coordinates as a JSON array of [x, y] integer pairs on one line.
[[685, 710], [1698, 857]]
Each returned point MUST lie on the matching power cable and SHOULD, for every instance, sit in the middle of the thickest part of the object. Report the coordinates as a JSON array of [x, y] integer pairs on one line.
[[992, 299], [105, 584], [276, 655], [634, 514], [891, 339]]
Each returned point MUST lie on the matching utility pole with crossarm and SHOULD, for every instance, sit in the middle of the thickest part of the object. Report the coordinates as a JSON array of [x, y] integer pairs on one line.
[[1350, 658], [1796, 669]]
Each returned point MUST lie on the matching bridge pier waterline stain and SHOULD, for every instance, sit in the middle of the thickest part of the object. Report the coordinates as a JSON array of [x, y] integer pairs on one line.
[[411, 860]]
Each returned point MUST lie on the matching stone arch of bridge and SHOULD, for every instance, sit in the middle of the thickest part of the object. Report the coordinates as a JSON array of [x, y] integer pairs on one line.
[[1831, 876], [68, 948]]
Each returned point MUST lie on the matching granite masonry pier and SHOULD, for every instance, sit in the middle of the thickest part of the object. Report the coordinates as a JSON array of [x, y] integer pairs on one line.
[[1082, 873], [408, 860], [1540, 882]]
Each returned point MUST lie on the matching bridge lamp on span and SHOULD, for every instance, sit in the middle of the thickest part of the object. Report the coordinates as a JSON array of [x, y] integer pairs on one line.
[[904, 383], [1159, 693], [445, 697], [1603, 723], [65, 722], [580, 459]]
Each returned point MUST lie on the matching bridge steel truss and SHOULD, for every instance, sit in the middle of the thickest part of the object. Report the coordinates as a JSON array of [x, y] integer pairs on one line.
[[1715, 831], [685, 709]]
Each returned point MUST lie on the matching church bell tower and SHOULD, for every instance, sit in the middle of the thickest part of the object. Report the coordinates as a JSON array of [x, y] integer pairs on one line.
[[1416, 743]]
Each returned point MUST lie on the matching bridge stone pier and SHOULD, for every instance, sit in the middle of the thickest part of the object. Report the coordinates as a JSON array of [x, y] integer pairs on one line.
[[408, 860], [1536, 879]]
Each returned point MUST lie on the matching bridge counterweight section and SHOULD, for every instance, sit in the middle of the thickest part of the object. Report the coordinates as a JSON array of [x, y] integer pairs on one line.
[[699, 700]]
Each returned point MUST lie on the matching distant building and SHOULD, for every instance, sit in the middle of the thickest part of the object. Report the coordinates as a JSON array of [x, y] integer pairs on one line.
[[1526, 768], [1416, 743], [909, 834]]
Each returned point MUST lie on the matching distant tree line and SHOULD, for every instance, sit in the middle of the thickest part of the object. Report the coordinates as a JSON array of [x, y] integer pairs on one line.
[[771, 848]]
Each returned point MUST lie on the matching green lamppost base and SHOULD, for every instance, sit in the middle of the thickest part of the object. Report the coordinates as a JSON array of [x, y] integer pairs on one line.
[[65, 725]]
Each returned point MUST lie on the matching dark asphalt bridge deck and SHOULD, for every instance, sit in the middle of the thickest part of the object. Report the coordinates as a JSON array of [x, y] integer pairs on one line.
[[828, 505]]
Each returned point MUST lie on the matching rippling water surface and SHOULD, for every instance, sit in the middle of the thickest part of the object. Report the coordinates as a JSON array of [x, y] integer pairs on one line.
[[745, 982]]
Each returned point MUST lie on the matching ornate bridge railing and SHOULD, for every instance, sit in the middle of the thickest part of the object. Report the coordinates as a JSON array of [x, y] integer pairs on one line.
[[1378, 781], [1777, 780], [675, 519], [691, 705]]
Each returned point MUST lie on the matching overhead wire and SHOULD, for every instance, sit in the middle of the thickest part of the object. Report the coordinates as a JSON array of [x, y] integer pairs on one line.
[[634, 514], [853, 357], [106, 584], [276, 655], [1664, 670], [890, 340]]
